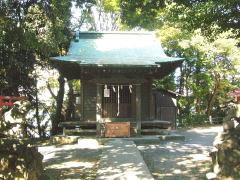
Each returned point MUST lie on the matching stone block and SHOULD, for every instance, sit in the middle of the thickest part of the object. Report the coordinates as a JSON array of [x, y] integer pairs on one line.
[[19, 161], [64, 139]]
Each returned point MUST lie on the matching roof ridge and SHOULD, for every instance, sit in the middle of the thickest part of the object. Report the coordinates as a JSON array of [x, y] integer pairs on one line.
[[117, 32]]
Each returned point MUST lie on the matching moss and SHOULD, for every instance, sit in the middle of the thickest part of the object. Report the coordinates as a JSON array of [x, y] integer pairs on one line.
[[226, 160]]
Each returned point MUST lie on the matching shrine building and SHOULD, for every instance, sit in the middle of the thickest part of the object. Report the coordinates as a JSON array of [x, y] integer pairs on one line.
[[116, 70]]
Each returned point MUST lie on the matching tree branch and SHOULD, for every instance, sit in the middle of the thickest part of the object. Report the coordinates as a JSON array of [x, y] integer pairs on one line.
[[51, 92]]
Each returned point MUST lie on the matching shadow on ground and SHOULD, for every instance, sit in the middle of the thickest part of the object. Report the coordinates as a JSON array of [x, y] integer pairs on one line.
[[70, 162], [183, 160]]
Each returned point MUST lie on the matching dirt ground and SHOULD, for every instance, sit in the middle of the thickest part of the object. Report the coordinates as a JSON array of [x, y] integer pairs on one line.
[[71, 161], [170, 160], [185, 160]]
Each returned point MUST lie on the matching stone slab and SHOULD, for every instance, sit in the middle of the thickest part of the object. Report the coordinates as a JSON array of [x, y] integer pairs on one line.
[[60, 139], [172, 137], [122, 160], [154, 139]]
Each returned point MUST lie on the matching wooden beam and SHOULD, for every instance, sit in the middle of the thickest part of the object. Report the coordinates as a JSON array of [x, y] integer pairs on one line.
[[138, 109], [64, 131], [118, 80], [76, 123]]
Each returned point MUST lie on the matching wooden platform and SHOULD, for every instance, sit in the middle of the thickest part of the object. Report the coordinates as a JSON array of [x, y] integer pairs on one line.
[[78, 127], [156, 127], [77, 123], [156, 123]]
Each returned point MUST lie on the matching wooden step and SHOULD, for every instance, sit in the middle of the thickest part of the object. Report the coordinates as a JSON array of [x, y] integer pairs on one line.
[[156, 131], [156, 124], [79, 131], [77, 123]]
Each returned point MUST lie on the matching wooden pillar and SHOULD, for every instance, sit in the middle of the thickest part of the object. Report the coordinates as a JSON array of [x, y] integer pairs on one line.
[[138, 109], [151, 102], [99, 110], [82, 101], [64, 131]]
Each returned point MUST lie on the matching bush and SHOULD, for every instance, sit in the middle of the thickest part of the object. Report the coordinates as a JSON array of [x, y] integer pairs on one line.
[[191, 120]]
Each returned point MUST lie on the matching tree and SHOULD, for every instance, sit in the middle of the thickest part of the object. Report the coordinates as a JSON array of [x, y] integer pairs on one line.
[[30, 32], [98, 15], [205, 34], [193, 14]]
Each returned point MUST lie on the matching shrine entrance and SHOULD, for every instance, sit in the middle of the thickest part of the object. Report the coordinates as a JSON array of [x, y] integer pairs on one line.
[[118, 101]]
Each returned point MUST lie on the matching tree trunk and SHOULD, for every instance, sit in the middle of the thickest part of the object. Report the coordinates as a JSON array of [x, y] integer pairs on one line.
[[181, 81], [211, 102], [197, 96], [197, 105], [37, 113], [198, 100], [58, 116], [213, 95]]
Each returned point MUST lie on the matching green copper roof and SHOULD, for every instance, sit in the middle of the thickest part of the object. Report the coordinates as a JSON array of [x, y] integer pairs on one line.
[[116, 48]]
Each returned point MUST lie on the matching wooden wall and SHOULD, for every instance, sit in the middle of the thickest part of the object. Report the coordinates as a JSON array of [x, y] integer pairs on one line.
[[89, 101], [165, 107], [153, 105], [145, 97]]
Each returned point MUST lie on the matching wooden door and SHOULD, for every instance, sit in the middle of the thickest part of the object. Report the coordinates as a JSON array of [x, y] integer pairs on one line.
[[118, 104]]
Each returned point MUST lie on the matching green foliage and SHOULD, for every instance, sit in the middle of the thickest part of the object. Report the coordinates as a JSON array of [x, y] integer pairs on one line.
[[205, 33], [151, 14], [167, 82], [207, 14], [30, 32], [141, 13], [191, 120], [98, 15]]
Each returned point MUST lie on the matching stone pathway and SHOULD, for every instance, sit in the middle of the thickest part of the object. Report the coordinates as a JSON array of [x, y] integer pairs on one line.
[[122, 160], [185, 160]]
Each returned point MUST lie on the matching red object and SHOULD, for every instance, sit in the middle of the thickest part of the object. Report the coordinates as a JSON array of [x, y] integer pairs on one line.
[[117, 129], [236, 93], [8, 101]]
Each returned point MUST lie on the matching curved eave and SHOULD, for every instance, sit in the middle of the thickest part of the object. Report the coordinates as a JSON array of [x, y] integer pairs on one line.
[[77, 61], [75, 70]]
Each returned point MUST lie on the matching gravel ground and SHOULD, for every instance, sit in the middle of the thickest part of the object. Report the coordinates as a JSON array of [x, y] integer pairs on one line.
[[181, 160], [77, 161]]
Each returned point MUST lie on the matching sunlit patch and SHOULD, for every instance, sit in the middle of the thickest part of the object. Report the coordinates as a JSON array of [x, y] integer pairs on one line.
[[199, 157], [177, 171], [181, 160], [48, 156], [88, 143]]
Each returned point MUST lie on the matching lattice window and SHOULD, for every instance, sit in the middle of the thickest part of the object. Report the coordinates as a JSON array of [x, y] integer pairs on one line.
[[118, 104]]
